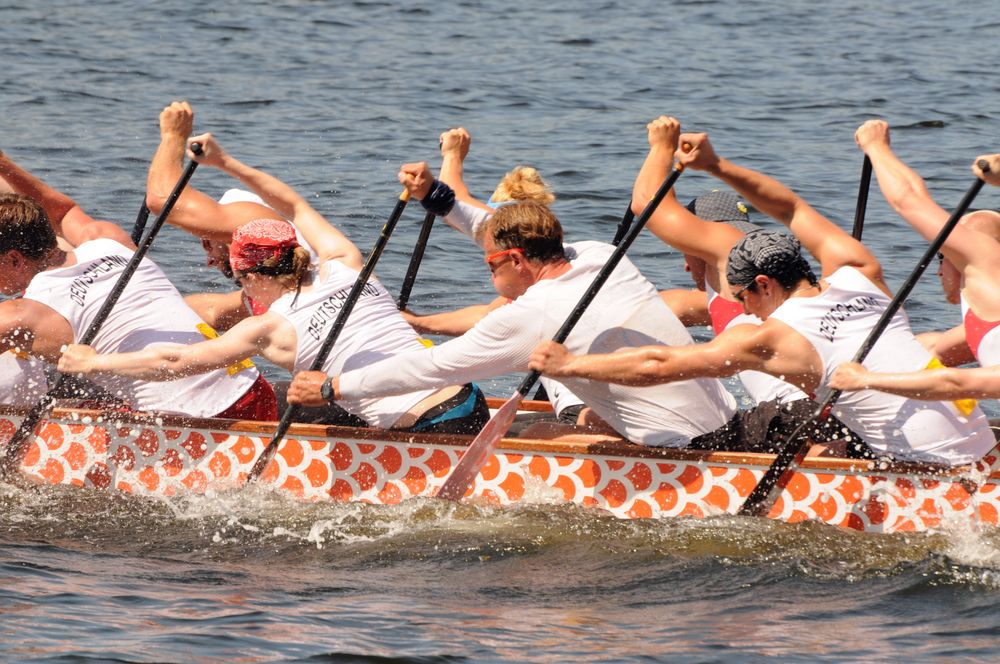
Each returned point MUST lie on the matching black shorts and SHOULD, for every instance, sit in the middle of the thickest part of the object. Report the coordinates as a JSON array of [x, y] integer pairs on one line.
[[766, 427]]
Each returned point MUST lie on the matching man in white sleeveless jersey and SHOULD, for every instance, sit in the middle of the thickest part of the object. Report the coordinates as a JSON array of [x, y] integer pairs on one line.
[[64, 288], [810, 327]]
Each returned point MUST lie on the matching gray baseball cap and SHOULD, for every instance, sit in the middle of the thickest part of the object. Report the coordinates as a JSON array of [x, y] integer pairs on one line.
[[724, 206]]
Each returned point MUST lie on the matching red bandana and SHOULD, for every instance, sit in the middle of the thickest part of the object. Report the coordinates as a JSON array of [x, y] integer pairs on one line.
[[256, 241]]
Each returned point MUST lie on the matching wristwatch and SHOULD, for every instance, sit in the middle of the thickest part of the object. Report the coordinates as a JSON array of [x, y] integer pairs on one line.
[[326, 389]]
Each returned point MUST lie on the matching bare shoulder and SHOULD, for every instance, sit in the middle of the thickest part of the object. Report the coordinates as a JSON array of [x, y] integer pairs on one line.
[[22, 318]]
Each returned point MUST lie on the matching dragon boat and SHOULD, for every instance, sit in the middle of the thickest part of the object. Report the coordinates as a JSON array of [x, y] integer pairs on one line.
[[165, 456]]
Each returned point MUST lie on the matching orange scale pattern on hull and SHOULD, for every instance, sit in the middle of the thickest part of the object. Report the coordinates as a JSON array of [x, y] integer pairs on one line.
[[171, 460]]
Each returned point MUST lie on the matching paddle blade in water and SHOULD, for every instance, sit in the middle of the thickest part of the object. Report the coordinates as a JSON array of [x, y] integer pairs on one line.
[[480, 450]]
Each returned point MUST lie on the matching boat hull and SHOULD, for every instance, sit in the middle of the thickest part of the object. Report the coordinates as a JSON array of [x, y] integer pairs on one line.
[[167, 456]]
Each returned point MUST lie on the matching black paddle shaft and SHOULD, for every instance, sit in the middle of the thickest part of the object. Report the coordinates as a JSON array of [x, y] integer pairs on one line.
[[760, 500], [18, 442], [859, 211], [623, 226], [331, 337], [415, 259], [140, 222], [602, 276]]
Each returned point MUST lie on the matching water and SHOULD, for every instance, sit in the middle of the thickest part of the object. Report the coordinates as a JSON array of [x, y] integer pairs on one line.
[[332, 97]]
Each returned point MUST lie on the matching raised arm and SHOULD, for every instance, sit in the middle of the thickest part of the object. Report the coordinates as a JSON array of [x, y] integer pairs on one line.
[[328, 242], [672, 222], [828, 243], [907, 193], [454, 148], [68, 219], [420, 182], [194, 212]]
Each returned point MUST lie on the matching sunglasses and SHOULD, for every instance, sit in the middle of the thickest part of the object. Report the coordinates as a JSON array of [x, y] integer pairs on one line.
[[739, 294], [500, 254]]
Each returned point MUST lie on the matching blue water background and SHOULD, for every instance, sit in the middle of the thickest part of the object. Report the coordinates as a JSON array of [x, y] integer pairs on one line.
[[332, 97]]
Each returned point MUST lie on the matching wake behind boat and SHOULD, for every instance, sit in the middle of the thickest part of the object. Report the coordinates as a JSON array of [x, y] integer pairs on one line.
[[166, 456]]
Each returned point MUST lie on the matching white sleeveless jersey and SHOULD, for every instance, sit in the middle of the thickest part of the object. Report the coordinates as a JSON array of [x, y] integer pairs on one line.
[[983, 337], [836, 322], [22, 380], [759, 385], [150, 312], [375, 330]]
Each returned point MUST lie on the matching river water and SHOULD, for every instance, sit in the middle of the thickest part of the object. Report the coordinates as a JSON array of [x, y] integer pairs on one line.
[[332, 97]]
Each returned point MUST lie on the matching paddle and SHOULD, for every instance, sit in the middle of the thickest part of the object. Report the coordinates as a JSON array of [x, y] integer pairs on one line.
[[482, 447], [859, 211], [140, 222], [418, 255], [623, 226], [331, 337], [761, 499], [18, 442]]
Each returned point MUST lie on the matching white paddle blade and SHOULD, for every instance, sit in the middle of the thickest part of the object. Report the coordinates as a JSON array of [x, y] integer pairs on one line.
[[479, 451]]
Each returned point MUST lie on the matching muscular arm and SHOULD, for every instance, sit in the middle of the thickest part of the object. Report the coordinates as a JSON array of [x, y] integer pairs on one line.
[[976, 254], [68, 219], [949, 347], [832, 246], [768, 347], [194, 212], [328, 242], [160, 363], [929, 385], [452, 323], [672, 222], [454, 148]]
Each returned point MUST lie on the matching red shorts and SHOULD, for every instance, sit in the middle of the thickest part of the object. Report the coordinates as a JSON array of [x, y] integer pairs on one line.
[[259, 403]]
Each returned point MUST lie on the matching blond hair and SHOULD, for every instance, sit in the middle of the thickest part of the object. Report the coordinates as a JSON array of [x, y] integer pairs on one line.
[[523, 183]]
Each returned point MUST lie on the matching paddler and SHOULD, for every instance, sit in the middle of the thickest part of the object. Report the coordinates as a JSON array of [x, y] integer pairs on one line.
[[64, 288], [968, 269], [810, 326], [300, 303], [522, 183]]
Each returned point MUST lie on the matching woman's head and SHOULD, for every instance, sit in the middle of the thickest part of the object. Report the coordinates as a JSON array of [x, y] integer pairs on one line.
[[269, 247], [523, 184]]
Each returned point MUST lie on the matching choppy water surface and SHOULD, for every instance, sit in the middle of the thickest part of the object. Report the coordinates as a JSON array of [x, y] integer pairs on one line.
[[332, 97]]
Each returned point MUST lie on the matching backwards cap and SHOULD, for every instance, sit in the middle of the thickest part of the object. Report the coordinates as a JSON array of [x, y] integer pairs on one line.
[[723, 206], [769, 253], [259, 240]]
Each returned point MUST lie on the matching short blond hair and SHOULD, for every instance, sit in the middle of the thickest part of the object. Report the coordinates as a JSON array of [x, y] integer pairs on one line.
[[526, 225], [523, 183]]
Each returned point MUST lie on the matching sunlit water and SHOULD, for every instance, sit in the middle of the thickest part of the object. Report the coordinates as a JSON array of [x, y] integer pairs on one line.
[[332, 97]]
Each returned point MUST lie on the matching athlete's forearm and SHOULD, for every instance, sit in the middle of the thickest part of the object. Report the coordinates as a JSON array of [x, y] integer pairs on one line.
[[762, 191], [938, 384], [275, 193]]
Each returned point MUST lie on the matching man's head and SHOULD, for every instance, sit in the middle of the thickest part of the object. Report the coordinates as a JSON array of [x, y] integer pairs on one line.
[[519, 239], [717, 206], [217, 253], [26, 236], [767, 260]]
